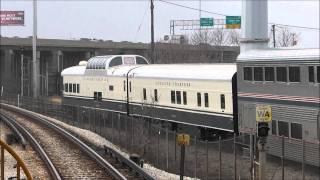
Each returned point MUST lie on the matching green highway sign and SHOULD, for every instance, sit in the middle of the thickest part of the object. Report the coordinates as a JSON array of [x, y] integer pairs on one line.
[[233, 22], [206, 21]]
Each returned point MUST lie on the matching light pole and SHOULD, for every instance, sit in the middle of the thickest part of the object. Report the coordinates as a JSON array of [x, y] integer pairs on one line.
[[35, 81], [152, 32]]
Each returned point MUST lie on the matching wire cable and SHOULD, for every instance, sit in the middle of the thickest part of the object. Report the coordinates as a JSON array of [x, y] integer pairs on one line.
[[210, 12], [142, 20], [188, 7]]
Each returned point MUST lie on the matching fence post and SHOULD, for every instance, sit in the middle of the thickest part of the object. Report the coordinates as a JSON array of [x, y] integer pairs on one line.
[[119, 124], [303, 159], [196, 157], [175, 146], [112, 127], [220, 158], [167, 139], [158, 146], [282, 159], [132, 131], [251, 157], [207, 160], [235, 156]]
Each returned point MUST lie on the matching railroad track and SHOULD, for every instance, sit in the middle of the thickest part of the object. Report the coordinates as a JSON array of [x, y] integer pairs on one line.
[[84, 161]]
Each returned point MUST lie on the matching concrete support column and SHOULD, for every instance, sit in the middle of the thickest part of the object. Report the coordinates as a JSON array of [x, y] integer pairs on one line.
[[54, 72], [36, 75], [6, 72]]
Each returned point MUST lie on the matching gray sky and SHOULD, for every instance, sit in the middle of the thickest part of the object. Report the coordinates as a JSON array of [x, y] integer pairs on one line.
[[120, 20]]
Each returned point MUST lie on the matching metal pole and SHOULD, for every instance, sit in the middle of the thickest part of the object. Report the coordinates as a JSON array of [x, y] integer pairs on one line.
[[175, 146], [34, 53], [262, 161], [282, 159], [182, 162], [152, 32], [207, 160], [303, 159], [235, 156], [196, 157], [220, 158], [167, 139], [158, 146], [21, 72], [251, 157]]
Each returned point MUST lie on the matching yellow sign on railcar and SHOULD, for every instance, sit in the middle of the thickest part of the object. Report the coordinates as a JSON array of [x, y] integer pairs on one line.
[[263, 113], [183, 139]]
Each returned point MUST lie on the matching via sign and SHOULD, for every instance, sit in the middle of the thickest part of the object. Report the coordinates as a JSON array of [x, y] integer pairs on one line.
[[206, 21], [233, 22], [263, 113]]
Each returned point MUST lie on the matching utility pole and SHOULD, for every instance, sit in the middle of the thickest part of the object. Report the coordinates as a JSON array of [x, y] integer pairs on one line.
[[200, 22], [152, 33], [35, 82], [274, 35]]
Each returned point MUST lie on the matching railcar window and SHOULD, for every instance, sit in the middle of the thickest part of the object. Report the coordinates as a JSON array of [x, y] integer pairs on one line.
[[144, 94], [70, 88], [282, 74], [206, 100], [296, 130], [66, 89], [318, 74], [115, 62], [274, 127], [258, 73], [110, 88], [156, 95], [247, 73], [199, 99], [311, 73], [74, 88], [173, 97], [140, 60], [269, 73], [223, 101], [99, 96], [184, 97], [130, 86], [78, 88], [283, 128], [294, 74], [124, 85], [95, 95], [178, 94]]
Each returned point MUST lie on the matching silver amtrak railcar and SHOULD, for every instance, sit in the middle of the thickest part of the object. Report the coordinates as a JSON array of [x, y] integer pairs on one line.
[[289, 81]]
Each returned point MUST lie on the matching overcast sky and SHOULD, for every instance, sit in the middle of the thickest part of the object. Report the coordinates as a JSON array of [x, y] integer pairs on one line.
[[120, 20]]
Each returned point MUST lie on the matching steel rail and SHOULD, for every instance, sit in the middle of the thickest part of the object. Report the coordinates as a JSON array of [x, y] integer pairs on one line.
[[129, 163], [14, 129], [37, 147], [85, 148]]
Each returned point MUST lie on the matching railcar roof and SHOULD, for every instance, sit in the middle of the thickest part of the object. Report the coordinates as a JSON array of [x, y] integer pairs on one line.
[[186, 71], [279, 54], [74, 70]]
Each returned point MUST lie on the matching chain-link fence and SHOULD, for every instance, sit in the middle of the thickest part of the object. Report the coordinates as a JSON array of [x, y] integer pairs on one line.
[[233, 158]]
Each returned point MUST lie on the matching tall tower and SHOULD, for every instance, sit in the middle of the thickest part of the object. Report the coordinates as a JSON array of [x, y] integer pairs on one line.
[[254, 25]]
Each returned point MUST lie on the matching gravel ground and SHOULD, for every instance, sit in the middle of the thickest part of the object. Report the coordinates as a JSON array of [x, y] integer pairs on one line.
[[30, 157], [101, 141]]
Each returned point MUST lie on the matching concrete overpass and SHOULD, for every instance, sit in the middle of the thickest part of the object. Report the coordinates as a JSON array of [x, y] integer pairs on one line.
[[56, 55]]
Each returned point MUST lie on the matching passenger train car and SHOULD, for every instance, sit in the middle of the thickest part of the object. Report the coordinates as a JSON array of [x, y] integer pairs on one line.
[[288, 80], [202, 95]]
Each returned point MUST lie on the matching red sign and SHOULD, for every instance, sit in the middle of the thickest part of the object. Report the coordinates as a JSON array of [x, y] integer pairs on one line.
[[11, 18]]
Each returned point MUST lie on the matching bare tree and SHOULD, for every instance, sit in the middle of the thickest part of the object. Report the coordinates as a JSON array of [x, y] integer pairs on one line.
[[234, 38], [285, 37], [202, 37], [218, 37]]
